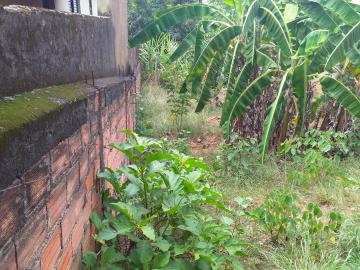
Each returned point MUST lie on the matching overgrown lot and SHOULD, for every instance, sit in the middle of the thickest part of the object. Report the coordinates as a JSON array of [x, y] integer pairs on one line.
[[247, 147]]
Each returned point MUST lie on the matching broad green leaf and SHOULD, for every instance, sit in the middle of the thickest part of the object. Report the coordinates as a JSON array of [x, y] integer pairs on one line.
[[251, 16], [131, 190], [161, 260], [90, 259], [173, 17], [342, 94], [290, 13], [253, 12], [106, 234], [342, 9], [95, 219], [319, 58], [131, 211], [232, 94], [143, 253], [231, 76], [345, 45], [354, 54], [184, 45], [148, 231], [163, 245], [271, 118], [275, 30], [110, 256], [120, 223], [158, 156], [218, 43], [249, 94], [318, 15], [251, 45], [312, 42], [265, 61], [300, 84], [113, 178], [235, 263], [210, 81], [196, 80]]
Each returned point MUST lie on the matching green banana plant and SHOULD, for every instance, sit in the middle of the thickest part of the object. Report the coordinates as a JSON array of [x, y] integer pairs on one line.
[[255, 44]]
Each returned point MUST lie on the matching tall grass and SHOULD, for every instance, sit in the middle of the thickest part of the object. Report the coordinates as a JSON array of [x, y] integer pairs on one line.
[[155, 118]]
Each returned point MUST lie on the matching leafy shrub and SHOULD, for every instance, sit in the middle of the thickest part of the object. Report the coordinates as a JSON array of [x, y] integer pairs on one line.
[[238, 150], [328, 143], [315, 167], [155, 219], [282, 217], [180, 143]]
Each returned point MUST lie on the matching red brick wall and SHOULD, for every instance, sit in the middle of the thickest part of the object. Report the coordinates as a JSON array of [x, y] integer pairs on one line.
[[45, 213]]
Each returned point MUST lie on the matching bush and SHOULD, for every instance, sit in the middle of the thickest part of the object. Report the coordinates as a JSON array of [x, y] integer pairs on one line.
[[282, 217], [328, 143], [155, 219]]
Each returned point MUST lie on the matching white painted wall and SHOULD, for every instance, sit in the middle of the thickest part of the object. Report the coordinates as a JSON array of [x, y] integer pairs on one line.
[[85, 7], [62, 5]]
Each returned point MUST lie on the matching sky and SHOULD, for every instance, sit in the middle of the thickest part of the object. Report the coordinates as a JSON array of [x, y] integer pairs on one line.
[[356, 2]]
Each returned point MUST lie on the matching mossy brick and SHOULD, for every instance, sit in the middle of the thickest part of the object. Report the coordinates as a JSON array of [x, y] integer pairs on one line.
[[8, 257], [57, 202], [72, 181], [11, 211], [30, 239], [72, 215], [38, 179], [59, 159], [33, 123]]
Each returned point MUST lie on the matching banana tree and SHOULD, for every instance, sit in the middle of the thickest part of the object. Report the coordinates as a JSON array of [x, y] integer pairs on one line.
[[251, 45]]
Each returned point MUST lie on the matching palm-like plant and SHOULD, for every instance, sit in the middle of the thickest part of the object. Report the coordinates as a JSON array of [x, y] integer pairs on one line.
[[279, 44]]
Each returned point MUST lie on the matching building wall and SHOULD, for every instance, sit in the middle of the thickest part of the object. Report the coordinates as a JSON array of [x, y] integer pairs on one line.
[[53, 139], [44, 211], [31, 3], [43, 47]]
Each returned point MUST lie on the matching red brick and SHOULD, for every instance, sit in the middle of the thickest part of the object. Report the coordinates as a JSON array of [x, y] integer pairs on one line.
[[97, 147], [30, 240], [90, 179], [72, 181], [84, 166], [92, 153], [87, 208], [11, 211], [52, 250], [97, 102], [72, 215], [85, 134], [97, 166], [96, 202], [94, 125], [76, 263], [77, 234], [66, 258], [75, 145], [88, 243], [38, 183], [8, 257], [57, 202], [59, 159]]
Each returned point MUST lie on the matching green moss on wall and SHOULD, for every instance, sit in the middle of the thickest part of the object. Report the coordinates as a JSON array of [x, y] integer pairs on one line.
[[19, 110]]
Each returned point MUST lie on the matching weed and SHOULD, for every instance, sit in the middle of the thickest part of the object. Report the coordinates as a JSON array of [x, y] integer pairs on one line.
[[156, 119], [158, 212]]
